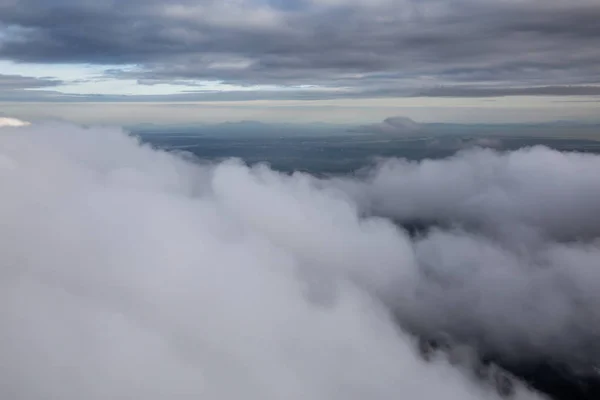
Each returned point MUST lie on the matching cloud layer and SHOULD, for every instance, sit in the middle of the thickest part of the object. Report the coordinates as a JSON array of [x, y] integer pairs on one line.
[[351, 48], [132, 273], [511, 255]]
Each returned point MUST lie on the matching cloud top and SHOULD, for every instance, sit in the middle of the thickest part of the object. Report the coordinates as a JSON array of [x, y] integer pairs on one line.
[[145, 275]]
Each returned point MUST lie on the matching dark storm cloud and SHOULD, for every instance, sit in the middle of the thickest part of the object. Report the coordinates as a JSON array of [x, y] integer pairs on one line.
[[380, 48]]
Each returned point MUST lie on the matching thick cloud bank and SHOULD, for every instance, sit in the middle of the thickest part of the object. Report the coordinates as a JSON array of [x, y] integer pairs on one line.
[[129, 272], [513, 261]]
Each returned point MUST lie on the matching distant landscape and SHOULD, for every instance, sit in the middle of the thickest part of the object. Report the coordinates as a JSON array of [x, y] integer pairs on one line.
[[324, 148]]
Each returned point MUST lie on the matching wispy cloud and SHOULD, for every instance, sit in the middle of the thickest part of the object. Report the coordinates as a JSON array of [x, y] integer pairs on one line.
[[16, 82]]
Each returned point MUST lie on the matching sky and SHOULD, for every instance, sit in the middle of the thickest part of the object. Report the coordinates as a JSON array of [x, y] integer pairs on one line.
[[352, 61]]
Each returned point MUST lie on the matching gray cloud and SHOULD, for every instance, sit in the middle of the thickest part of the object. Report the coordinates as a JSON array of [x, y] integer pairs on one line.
[[14, 88], [379, 48], [15, 82], [458, 91], [488, 221]]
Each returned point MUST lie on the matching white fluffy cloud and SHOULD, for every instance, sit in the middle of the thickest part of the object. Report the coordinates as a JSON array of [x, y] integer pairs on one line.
[[5, 121], [131, 273]]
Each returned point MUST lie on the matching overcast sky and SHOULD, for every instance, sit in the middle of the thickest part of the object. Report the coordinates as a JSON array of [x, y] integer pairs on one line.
[[129, 61]]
